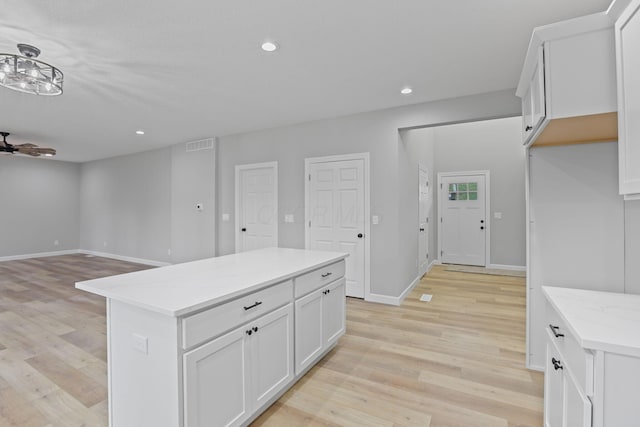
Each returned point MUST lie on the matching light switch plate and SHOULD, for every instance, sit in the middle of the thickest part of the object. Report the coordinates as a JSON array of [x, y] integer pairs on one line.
[[497, 215], [141, 343], [288, 218], [225, 217], [375, 219]]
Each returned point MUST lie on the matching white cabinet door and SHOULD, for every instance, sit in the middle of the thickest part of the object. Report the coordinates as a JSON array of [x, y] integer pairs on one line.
[[552, 389], [533, 102], [627, 34], [577, 407], [527, 117], [309, 338], [216, 382], [320, 322], [538, 96], [333, 312], [271, 348]]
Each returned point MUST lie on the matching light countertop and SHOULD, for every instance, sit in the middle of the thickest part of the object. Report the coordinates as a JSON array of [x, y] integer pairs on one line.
[[180, 289], [604, 321]]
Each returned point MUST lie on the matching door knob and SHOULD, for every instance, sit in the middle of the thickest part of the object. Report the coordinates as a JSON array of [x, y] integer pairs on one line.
[[482, 221], [422, 229], [528, 128], [243, 229], [360, 235], [481, 228]]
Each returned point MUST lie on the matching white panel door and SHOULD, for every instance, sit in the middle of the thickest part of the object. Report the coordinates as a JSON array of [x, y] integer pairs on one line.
[[257, 208], [424, 212], [336, 215], [463, 220]]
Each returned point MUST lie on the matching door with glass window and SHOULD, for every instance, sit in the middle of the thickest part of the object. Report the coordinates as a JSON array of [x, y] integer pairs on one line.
[[463, 226]]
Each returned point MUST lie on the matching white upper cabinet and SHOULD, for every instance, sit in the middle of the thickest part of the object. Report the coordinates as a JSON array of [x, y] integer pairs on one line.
[[568, 83], [533, 105], [627, 36]]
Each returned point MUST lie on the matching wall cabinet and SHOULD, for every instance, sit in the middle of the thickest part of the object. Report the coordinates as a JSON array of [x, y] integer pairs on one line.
[[627, 36], [231, 376], [320, 321], [533, 102], [592, 369], [568, 83]]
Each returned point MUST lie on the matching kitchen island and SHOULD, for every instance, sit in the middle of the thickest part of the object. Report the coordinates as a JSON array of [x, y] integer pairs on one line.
[[215, 342]]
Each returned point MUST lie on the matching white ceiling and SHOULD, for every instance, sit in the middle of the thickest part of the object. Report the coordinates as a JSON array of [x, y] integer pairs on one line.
[[186, 70]]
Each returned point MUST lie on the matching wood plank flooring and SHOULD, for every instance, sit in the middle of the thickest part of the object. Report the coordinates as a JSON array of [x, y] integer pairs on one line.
[[455, 361]]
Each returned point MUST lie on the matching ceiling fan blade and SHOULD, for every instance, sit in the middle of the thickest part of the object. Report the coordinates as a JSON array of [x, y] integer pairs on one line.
[[46, 150], [28, 151], [27, 145]]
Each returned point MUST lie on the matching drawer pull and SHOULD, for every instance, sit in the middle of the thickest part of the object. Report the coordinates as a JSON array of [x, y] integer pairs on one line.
[[326, 291], [253, 306], [255, 329], [248, 331], [326, 275], [528, 128], [556, 363], [554, 329]]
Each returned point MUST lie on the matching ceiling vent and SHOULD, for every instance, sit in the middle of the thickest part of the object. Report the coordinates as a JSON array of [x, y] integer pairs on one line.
[[203, 144]]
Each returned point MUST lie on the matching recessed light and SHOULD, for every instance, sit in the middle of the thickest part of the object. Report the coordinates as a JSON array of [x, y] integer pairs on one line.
[[269, 46], [406, 91], [48, 155], [139, 132]]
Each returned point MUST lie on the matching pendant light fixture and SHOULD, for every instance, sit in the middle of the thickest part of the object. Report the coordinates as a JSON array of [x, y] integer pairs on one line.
[[25, 73]]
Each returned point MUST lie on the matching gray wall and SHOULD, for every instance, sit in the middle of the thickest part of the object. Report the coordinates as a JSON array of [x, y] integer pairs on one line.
[[374, 132], [192, 182], [143, 205], [126, 205], [39, 203]]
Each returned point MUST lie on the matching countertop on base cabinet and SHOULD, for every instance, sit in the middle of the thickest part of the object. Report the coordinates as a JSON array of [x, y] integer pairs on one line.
[[592, 375], [213, 342]]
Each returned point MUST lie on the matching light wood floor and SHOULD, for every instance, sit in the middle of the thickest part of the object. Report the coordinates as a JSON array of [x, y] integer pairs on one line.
[[455, 361]]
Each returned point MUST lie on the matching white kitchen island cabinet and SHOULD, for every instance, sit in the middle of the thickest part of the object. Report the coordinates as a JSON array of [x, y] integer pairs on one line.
[[213, 342], [592, 374]]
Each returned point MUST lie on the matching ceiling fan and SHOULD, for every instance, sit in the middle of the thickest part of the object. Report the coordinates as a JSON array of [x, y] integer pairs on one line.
[[28, 149]]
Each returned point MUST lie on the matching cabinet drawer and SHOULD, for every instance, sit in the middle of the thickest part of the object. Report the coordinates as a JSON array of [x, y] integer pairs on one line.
[[317, 278], [210, 323], [576, 359]]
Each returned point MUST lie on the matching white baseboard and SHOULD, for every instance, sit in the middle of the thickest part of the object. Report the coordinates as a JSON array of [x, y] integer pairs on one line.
[[125, 258], [536, 368], [38, 255], [385, 299], [508, 267]]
